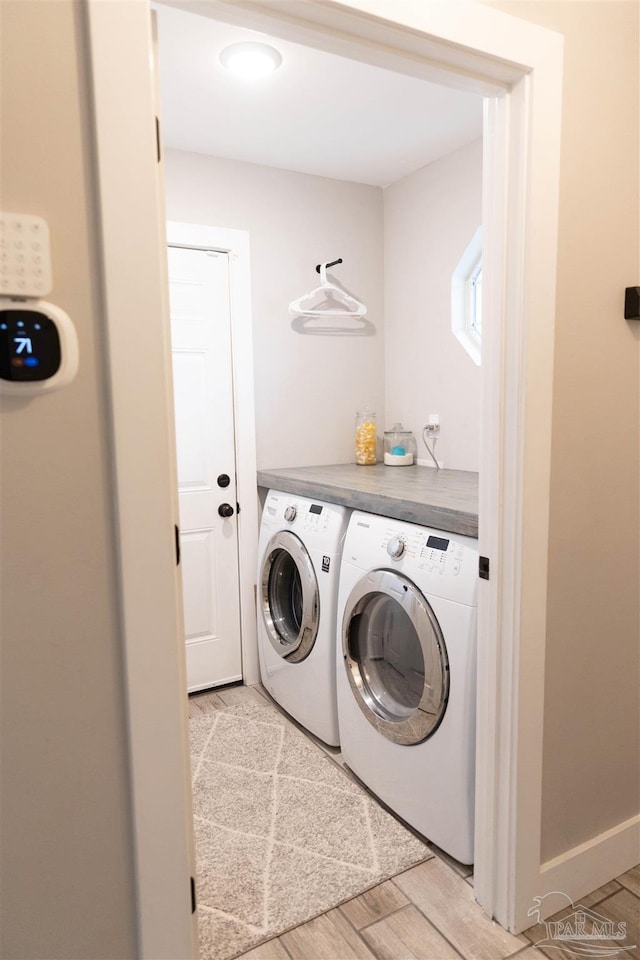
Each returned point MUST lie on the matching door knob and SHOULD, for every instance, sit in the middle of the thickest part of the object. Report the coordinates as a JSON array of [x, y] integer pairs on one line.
[[226, 510], [224, 480]]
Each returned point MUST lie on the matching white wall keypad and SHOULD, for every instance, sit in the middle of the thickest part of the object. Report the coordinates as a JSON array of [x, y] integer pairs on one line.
[[25, 259]]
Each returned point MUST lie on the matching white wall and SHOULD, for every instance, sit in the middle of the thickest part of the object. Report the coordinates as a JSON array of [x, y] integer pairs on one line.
[[307, 388], [429, 219]]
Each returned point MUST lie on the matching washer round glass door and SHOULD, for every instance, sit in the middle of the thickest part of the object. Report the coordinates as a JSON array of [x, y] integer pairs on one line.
[[395, 657], [290, 598]]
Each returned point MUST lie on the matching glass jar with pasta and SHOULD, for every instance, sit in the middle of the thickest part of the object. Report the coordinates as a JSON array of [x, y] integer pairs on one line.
[[366, 438]]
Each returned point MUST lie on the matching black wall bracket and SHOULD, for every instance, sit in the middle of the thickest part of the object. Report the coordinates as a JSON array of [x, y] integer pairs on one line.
[[632, 303], [332, 264]]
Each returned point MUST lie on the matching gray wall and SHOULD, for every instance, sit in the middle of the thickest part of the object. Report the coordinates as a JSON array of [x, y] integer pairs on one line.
[[429, 220], [67, 876], [307, 388], [591, 777]]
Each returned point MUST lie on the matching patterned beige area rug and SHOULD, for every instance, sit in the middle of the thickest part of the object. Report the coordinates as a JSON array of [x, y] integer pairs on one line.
[[282, 833]]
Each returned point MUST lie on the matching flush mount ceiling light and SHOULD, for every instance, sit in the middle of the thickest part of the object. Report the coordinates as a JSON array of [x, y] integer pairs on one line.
[[250, 60]]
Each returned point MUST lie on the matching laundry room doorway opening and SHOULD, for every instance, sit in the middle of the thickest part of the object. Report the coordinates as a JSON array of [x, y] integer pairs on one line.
[[517, 67]]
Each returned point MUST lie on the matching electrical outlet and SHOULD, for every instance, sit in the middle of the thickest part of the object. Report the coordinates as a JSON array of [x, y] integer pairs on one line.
[[430, 434], [432, 427]]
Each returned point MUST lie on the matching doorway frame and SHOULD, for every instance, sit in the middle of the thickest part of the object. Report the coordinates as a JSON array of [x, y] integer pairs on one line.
[[236, 244], [518, 66]]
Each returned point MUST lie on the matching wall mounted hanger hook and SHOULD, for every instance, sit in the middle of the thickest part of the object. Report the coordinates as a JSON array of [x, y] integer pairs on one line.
[[322, 268]]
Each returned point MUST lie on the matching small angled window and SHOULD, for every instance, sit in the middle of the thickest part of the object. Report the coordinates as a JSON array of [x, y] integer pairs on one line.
[[475, 303], [466, 298]]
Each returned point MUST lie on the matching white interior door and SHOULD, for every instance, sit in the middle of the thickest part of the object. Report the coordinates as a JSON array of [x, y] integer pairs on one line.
[[203, 401]]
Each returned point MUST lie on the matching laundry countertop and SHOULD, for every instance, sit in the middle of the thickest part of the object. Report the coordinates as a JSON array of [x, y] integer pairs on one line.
[[445, 499]]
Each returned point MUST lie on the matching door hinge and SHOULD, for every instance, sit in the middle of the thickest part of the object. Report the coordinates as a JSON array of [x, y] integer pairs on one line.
[[483, 568], [177, 535], [158, 149], [193, 895]]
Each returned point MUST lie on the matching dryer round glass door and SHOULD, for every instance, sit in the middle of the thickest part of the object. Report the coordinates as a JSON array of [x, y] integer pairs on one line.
[[290, 599], [395, 657]]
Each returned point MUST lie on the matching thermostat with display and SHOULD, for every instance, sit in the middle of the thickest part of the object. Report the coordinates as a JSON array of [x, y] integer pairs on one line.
[[38, 347]]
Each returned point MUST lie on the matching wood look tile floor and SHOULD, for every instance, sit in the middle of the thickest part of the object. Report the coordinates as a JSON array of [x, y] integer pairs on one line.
[[429, 913]]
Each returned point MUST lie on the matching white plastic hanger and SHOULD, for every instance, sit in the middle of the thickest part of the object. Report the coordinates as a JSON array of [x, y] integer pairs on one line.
[[304, 306]]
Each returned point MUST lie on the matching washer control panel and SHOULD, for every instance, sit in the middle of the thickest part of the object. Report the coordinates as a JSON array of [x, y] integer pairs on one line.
[[316, 519], [308, 518]]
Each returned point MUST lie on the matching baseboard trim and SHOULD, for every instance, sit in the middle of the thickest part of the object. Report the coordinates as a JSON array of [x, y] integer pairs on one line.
[[591, 864]]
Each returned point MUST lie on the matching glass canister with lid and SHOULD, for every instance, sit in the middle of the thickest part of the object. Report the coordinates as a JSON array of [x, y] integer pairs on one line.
[[400, 448], [366, 437]]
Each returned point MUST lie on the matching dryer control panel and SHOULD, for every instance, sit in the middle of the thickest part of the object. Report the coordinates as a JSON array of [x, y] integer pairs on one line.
[[430, 552], [441, 554], [441, 564]]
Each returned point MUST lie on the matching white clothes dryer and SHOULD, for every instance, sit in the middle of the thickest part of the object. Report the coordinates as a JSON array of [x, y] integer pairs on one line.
[[406, 673], [299, 555]]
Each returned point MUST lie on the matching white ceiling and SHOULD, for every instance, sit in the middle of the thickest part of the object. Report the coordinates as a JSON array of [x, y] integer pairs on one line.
[[319, 113]]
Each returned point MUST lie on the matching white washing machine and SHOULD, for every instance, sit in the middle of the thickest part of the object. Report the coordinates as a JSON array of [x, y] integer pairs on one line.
[[299, 555], [406, 673]]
